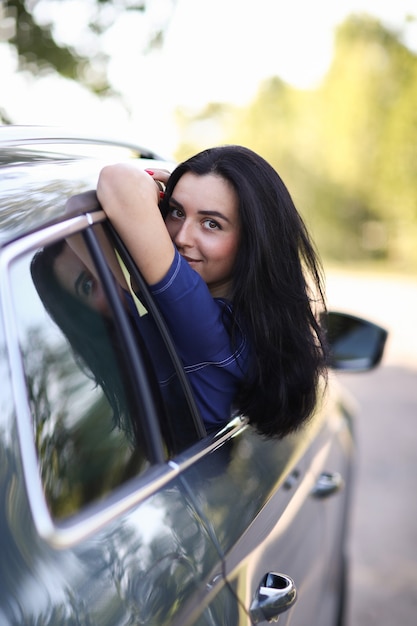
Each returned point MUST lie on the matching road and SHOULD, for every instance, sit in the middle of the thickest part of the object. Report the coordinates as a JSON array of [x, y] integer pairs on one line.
[[383, 530]]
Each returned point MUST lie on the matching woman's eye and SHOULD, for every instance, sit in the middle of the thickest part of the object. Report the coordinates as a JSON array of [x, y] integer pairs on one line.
[[176, 213], [87, 286], [211, 224]]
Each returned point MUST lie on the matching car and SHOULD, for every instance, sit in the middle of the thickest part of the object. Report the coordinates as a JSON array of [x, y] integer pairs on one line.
[[163, 524]]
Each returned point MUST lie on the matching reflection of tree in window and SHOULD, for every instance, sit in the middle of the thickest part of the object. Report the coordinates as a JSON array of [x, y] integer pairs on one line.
[[81, 454]]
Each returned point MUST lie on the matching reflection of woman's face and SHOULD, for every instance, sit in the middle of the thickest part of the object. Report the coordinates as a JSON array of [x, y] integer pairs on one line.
[[77, 279]]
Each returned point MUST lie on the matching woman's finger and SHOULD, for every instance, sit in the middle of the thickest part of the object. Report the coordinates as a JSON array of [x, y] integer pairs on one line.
[[159, 175]]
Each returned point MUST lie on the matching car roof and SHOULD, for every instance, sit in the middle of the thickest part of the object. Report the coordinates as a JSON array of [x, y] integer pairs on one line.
[[41, 167], [41, 136]]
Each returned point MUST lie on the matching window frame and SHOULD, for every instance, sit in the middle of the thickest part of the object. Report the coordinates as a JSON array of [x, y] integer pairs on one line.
[[65, 532]]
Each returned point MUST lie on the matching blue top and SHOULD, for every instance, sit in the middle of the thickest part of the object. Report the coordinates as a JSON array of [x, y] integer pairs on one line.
[[200, 327]]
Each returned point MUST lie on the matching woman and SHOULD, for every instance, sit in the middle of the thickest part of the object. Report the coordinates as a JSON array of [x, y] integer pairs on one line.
[[231, 265]]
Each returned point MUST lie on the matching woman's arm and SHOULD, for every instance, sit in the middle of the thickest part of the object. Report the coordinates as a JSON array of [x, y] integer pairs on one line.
[[130, 198]]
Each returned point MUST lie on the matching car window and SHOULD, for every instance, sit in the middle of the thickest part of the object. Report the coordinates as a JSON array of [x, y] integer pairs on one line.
[[88, 419]]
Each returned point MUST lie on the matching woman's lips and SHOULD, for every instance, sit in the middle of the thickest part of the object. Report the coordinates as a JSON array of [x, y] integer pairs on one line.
[[190, 260]]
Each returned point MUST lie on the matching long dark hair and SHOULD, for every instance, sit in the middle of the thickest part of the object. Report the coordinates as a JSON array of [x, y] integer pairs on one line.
[[277, 290]]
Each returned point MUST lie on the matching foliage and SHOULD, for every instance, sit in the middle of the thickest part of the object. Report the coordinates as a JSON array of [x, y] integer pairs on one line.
[[82, 456], [30, 26]]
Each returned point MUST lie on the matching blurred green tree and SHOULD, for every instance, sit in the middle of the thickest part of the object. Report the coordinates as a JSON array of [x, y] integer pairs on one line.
[[368, 133]]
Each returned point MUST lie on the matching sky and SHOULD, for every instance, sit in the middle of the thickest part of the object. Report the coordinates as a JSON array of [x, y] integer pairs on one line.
[[214, 51]]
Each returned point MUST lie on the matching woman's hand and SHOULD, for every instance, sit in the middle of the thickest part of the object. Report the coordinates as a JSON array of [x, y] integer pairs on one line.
[[159, 176]]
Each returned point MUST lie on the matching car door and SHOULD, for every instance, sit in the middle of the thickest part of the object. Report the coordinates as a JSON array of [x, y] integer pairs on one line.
[[276, 529], [95, 530]]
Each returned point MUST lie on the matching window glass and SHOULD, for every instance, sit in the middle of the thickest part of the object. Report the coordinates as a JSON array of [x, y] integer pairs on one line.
[[87, 423], [80, 401]]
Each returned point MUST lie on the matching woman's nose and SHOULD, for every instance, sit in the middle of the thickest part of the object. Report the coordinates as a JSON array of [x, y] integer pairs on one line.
[[183, 236], [99, 301]]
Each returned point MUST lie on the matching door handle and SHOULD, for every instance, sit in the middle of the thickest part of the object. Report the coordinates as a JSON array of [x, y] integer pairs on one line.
[[328, 484], [275, 594]]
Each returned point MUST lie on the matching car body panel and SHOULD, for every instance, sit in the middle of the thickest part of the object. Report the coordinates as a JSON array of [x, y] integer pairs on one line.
[[143, 566], [48, 182]]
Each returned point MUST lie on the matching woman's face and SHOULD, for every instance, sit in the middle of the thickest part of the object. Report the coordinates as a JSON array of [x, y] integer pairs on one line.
[[77, 279], [203, 222]]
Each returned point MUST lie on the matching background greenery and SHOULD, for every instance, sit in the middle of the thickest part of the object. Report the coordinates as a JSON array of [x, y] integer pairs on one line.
[[347, 149]]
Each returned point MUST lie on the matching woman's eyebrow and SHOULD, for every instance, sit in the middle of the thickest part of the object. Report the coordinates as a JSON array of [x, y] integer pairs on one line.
[[173, 201], [214, 214]]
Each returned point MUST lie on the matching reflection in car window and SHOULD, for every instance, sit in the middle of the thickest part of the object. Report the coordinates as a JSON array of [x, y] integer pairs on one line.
[[84, 441], [86, 425]]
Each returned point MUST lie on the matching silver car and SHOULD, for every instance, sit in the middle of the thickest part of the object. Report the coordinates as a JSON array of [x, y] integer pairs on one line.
[[145, 519]]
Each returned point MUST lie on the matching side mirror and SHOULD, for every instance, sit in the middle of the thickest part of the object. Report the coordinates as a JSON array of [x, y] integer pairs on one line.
[[356, 345]]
